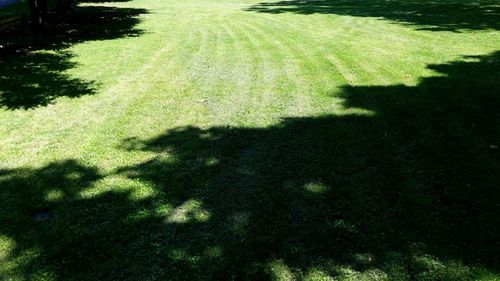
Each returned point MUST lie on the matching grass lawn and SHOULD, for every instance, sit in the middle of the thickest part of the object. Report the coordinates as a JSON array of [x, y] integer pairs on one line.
[[230, 140]]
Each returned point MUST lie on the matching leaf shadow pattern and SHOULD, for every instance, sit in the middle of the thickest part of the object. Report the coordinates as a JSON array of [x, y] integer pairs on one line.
[[411, 191], [32, 73], [447, 15]]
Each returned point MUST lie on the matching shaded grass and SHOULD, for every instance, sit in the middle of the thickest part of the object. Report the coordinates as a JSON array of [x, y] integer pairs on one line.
[[203, 141], [445, 15], [32, 73]]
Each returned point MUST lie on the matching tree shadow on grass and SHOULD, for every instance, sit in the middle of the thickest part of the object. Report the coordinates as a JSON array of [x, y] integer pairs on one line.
[[446, 15], [410, 193], [418, 178], [32, 68], [36, 79]]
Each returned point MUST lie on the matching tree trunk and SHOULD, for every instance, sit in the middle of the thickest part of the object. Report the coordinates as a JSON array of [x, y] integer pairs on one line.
[[66, 6], [38, 9]]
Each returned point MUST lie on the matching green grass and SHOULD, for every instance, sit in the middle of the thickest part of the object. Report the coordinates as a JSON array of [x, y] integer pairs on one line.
[[215, 139]]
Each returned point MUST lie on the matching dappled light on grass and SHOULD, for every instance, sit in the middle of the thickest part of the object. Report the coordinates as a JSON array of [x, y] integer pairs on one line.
[[340, 196], [54, 196], [315, 188], [224, 144], [6, 246], [189, 210], [279, 271]]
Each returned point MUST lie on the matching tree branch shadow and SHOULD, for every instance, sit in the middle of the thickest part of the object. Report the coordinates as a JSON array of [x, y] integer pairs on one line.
[[448, 15], [32, 67]]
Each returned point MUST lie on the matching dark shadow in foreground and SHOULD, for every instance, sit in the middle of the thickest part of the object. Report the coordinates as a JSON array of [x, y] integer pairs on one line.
[[411, 190], [32, 66], [443, 15]]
